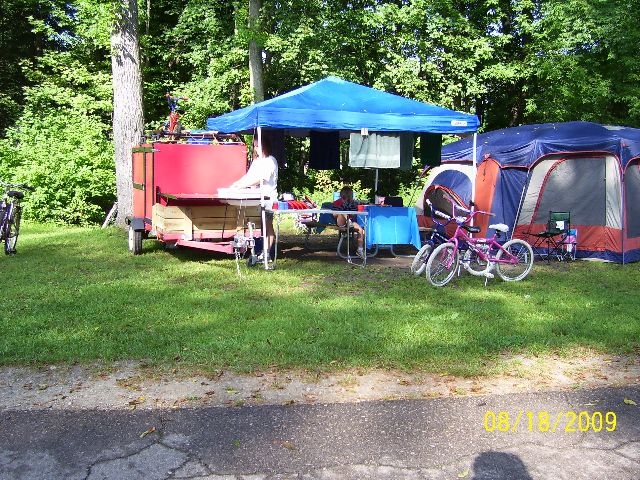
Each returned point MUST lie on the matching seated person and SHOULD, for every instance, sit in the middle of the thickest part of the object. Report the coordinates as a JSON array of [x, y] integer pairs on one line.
[[346, 202]]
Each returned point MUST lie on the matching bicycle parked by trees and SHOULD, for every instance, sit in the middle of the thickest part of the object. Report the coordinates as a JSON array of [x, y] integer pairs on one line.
[[512, 261], [10, 214]]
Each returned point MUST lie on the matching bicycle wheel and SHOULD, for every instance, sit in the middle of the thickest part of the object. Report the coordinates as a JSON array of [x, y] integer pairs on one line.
[[512, 272], [472, 263], [442, 264], [12, 231], [420, 260], [135, 241]]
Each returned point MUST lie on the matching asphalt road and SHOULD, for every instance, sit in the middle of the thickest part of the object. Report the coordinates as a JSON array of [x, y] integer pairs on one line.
[[582, 434]]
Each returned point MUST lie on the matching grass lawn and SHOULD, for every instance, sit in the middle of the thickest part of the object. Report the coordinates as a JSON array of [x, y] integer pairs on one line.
[[78, 295]]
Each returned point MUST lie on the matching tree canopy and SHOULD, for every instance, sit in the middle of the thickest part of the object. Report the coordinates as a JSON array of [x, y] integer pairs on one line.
[[511, 62]]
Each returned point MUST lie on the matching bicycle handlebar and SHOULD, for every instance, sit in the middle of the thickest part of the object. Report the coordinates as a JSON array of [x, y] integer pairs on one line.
[[490, 214], [437, 213], [470, 212]]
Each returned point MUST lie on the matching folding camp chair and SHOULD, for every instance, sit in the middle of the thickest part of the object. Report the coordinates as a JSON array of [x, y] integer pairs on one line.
[[347, 235], [553, 240]]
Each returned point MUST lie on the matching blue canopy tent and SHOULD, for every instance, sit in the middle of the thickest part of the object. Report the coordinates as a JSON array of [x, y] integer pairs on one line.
[[335, 104]]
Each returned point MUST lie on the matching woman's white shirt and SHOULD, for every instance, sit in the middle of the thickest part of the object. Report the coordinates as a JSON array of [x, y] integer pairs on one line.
[[265, 170]]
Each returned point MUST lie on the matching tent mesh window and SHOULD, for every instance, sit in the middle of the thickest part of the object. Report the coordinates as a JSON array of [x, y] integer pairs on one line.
[[439, 196]]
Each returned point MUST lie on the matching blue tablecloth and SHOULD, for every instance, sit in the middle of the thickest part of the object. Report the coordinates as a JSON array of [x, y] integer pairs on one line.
[[392, 226]]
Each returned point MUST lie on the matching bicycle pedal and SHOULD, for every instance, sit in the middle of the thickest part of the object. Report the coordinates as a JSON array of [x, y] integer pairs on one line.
[[489, 275]]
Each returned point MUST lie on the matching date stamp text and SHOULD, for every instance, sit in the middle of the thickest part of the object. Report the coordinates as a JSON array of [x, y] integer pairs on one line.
[[543, 421]]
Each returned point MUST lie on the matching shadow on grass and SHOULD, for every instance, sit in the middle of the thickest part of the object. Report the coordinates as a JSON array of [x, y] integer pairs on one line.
[[81, 296]]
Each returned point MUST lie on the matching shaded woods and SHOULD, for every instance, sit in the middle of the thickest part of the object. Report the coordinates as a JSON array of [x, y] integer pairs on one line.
[[509, 62]]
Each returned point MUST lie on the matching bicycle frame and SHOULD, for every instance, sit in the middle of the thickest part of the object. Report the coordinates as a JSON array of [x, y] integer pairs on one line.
[[5, 212], [10, 213], [486, 248], [438, 232], [7, 209], [513, 260], [437, 236]]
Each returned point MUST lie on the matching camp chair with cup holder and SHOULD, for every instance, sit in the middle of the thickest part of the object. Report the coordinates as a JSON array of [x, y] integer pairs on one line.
[[552, 242]]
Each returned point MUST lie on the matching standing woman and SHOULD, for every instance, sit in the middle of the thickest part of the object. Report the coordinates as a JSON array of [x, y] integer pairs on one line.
[[263, 173]]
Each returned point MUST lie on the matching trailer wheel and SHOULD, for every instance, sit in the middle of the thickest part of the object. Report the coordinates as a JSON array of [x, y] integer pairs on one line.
[[135, 241]]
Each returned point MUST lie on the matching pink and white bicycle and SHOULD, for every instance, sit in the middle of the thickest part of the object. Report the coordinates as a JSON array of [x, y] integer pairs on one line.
[[512, 260]]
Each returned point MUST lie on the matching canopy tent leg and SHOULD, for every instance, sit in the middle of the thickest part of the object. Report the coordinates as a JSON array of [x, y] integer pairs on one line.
[[475, 166]]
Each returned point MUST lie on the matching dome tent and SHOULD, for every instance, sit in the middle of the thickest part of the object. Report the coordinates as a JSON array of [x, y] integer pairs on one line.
[[588, 169]]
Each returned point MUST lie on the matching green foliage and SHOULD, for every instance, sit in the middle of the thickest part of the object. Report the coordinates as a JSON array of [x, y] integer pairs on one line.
[[21, 40], [510, 62], [69, 160], [585, 65], [327, 183], [61, 146], [167, 60]]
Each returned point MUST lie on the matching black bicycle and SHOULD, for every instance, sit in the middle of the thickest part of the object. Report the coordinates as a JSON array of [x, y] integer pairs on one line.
[[10, 214], [434, 236]]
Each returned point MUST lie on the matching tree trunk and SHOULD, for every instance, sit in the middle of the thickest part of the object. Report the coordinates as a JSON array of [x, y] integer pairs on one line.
[[255, 52], [128, 123]]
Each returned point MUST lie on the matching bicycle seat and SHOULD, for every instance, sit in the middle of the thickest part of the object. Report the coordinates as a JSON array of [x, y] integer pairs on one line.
[[15, 194], [471, 228], [501, 227]]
